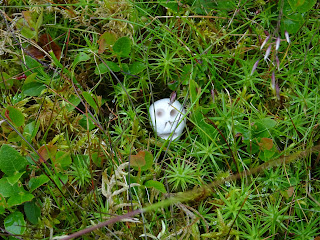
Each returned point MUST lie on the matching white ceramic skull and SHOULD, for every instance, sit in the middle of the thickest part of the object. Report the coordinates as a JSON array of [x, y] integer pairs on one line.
[[166, 118]]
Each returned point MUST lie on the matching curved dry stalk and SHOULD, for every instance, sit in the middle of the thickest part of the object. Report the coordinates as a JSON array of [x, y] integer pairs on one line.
[[193, 194]]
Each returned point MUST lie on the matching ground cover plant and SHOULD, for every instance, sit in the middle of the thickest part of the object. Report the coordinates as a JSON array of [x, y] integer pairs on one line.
[[79, 158]]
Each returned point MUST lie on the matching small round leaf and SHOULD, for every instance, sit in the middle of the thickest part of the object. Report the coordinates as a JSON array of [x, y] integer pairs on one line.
[[122, 47], [15, 223], [15, 116]]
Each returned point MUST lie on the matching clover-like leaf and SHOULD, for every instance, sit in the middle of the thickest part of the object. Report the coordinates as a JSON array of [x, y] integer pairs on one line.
[[11, 160], [36, 182], [106, 40], [122, 47], [102, 68], [15, 223], [143, 160], [16, 116], [32, 211], [155, 184]]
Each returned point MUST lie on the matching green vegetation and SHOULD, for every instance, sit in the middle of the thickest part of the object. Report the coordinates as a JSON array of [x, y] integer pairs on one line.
[[76, 146]]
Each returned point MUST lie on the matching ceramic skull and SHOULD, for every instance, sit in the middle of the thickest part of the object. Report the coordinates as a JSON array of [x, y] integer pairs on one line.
[[166, 118]]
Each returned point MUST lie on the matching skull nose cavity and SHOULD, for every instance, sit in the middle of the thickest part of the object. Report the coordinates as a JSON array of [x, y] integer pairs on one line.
[[168, 126]]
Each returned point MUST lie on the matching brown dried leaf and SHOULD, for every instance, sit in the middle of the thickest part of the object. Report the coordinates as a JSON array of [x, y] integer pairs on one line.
[[47, 44], [138, 160], [106, 40], [35, 52], [290, 191], [266, 144], [28, 17], [47, 151]]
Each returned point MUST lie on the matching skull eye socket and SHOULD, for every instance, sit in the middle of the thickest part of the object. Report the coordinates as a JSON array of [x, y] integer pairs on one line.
[[159, 112], [173, 113]]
